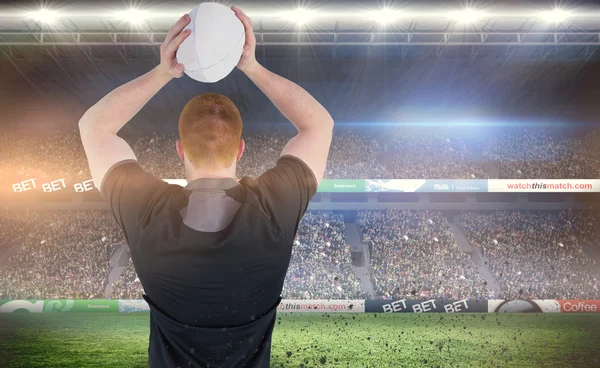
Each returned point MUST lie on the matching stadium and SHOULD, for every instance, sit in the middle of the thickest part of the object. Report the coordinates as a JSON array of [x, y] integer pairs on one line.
[[456, 224]]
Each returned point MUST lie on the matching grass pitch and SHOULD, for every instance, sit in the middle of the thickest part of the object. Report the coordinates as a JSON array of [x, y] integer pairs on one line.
[[322, 340]]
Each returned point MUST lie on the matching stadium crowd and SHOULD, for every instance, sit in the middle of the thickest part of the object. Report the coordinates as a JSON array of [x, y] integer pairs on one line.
[[47, 158], [62, 157], [433, 157], [62, 254], [538, 155], [128, 286], [515, 155], [414, 256], [538, 255], [321, 267]]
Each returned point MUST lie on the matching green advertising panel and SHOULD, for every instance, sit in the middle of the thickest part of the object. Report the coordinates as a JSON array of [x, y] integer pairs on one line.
[[95, 305], [342, 186]]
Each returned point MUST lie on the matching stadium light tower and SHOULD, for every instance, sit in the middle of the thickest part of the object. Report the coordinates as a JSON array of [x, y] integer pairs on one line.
[[134, 16], [385, 16], [467, 16], [44, 15], [300, 16], [555, 16]]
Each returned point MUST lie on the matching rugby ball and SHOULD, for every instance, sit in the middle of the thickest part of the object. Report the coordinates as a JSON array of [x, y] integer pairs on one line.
[[215, 45]]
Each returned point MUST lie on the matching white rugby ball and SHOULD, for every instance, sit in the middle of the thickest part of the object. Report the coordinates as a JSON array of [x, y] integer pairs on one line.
[[215, 46]]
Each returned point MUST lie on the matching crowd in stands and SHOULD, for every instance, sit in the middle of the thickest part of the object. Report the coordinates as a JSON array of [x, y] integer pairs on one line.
[[414, 256], [58, 156], [62, 157], [433, 157], [512, 155], [541, 156], [538, 255], [61, 254], [128, 286], [321, 264], [355, 156]]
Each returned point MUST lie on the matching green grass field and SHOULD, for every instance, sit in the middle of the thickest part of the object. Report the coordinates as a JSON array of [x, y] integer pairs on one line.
[[323, 340]]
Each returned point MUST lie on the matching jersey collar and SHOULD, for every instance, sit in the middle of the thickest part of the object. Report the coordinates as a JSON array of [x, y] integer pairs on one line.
[[212, 183]]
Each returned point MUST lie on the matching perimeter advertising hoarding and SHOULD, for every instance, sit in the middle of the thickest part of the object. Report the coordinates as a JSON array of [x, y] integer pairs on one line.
[[286, 306], [326, 186], [544, 186], [93, 305], [544, 306], [426, 306], [46, 306], [32, 306], [427, 186], [322, 306], [383, 185], [328, 306], [342, 186]]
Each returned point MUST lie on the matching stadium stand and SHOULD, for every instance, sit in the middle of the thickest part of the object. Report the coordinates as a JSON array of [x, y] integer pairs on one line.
[[415, 256], [66, 255], [516, 155], [538, 255]]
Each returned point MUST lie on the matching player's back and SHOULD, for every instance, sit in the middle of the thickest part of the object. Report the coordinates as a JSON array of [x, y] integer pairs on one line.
[[212, 258]]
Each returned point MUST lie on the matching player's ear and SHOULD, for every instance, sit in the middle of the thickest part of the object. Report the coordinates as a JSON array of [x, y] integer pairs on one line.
[[180, 152], [241, 150]]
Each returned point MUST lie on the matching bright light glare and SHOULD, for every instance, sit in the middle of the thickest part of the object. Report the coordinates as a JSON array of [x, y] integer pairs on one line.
[[555, 16], [385, 16], [467, 16], [300, 16], [44, 15], [133, 16]]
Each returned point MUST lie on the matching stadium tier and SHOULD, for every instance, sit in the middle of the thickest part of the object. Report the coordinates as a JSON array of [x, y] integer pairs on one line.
[[389, 255]]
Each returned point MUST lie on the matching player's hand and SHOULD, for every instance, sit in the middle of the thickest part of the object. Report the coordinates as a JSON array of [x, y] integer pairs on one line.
[[248, 59], [168, 62]]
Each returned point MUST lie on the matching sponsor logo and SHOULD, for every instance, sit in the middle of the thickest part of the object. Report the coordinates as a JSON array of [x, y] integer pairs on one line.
[[313, 307], [579, 306], [96, 306], [425, 306], [456, 306], [321, 306], [441, 187], [58, 305], [395, 306], [344, 185]]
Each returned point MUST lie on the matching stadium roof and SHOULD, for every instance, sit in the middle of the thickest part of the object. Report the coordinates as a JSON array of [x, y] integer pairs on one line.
[[332, 23]]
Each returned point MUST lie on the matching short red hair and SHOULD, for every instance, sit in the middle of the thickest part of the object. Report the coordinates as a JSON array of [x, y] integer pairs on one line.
[[210, 129]]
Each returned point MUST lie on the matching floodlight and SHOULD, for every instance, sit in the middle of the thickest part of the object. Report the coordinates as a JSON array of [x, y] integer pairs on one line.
[[133, 16], [467, 15], [300, 15], [385, 16], [555, 16], [44, 15]]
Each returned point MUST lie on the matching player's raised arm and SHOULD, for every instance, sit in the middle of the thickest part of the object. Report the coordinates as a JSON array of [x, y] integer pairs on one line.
[[101, 123], [314, 124]]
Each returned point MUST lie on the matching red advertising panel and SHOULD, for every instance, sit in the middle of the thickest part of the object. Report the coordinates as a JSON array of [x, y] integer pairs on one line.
[[579, 306]]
